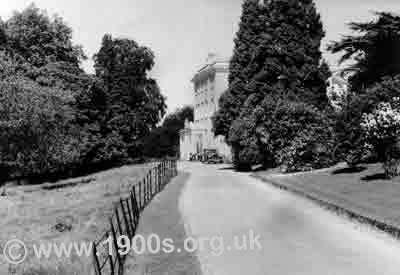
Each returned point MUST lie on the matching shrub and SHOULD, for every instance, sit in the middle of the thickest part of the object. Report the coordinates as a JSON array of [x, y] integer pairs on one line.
[[277, 51], [382, 126], [350, 137], [382, 129], [36, 136], [245, 149], [293, 135], [304, 139]]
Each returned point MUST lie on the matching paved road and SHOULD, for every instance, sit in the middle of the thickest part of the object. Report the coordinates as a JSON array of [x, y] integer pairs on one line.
[[297, 236]]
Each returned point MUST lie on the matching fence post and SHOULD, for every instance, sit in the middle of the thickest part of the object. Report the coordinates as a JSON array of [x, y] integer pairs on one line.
[[163, 172], [158, 178], [118, 222], [145, 191], [130, 216], [148, 187], [135, 209], [125, 218], [166, 171], [115, 241], [152, 182], [149, 175], [151, 185], [136, 200], [169, 169], [110, 259], [95, 260], [155, 179], [142, 196], [139, 196]]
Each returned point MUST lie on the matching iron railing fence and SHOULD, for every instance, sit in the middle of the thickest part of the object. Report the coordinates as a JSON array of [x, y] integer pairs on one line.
[[125, 219]]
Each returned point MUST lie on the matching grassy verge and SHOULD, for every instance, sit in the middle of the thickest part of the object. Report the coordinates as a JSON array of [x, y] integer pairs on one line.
[[69, 211], [362, 193]]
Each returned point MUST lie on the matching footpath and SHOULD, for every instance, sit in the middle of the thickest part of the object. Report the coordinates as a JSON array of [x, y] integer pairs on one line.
[[163, 219]]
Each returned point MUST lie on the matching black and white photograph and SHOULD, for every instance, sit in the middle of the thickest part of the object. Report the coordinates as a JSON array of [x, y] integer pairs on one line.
[[207, 137]]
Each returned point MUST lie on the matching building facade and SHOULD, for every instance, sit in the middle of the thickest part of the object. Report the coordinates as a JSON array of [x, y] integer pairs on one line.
[[337, 90], [208, 85]]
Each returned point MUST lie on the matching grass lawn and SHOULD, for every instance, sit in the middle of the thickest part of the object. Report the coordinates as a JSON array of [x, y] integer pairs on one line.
[[75, 210], [363, 191]]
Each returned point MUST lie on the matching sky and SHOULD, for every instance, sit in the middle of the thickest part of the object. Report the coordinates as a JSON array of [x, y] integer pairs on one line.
[[182, 32]]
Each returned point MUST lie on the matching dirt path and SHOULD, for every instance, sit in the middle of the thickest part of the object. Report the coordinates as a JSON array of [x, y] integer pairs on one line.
[[297, 236]]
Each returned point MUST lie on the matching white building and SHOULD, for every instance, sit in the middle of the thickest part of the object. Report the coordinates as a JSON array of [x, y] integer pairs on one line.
[[208, 85], [337, 90]]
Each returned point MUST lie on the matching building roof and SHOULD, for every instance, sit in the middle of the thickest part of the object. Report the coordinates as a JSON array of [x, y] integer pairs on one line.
[[213, 65]]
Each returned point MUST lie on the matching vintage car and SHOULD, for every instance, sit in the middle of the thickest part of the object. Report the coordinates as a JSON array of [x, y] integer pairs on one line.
[[214, 159]]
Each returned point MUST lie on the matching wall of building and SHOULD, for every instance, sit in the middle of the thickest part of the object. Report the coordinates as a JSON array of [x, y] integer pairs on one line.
[[190, 142], [208, 85]]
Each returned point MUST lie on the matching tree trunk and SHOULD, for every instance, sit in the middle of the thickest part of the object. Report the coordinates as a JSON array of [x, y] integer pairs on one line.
[[392, 167]]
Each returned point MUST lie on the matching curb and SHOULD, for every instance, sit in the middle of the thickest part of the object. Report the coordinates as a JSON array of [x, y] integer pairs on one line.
[[383, 226]]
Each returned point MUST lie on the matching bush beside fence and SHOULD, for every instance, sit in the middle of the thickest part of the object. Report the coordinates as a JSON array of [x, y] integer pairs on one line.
[[125, 218]]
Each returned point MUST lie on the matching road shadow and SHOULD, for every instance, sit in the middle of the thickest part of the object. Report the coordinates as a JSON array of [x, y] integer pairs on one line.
[[377, 176], [256, 168], [227, 168], [349, 170]]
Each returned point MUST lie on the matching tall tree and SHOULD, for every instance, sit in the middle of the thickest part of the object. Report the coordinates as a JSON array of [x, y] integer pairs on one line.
[[373, 53], [164, 140], [40, 39], [39, 69], [277, 57], [135, 103], [277, 50], [42, 48], [373, 62], [231, 100]]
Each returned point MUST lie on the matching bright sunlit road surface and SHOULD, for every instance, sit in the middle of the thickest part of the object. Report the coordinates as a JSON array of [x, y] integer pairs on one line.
[[297, 236]]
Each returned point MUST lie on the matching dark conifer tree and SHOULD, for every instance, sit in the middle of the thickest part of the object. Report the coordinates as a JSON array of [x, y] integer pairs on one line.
[[277, 52], [375, 50]]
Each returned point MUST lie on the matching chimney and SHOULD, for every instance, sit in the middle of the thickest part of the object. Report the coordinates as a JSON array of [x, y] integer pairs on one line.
[[211, 58]]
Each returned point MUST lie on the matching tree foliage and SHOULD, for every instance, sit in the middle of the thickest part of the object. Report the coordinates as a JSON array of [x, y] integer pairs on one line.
[[164, 140], [350, 137], [39, 39], [135, 103], [277, 53], [58, 121], [37, 136], [39, 77], [373, 78], [293, 135], [373, 52]]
